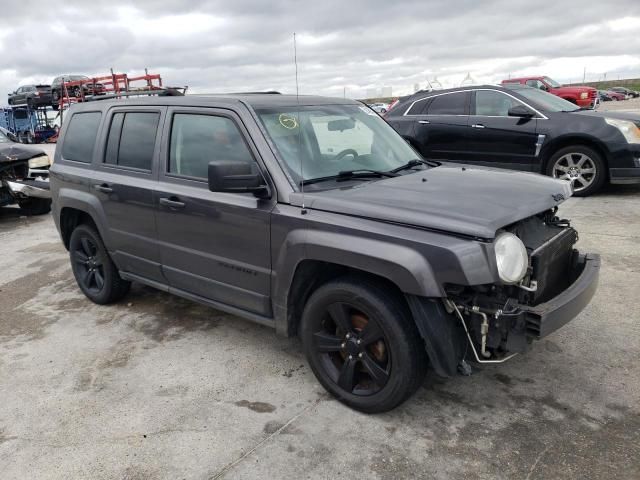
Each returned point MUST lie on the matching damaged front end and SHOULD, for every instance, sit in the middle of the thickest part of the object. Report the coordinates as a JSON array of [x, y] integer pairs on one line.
[[24, 177], [501, 320]]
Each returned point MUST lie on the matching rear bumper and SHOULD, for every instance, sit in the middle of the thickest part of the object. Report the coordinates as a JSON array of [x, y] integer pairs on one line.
[[547, 317]]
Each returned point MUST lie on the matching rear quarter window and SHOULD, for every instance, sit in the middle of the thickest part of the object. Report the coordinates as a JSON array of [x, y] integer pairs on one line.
[[419, 107], [80, 138]]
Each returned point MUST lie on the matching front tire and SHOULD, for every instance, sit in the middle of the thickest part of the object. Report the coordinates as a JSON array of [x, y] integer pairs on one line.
[[582, 166], [95, 272], [35, 206], [362, 344]]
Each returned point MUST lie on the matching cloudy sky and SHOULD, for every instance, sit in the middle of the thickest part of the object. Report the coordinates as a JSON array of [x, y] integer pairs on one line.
[[343, 46]]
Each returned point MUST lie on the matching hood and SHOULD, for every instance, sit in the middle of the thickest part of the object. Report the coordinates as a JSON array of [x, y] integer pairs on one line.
[[573, 89], [631, 116], [11, 152], [464, 200]]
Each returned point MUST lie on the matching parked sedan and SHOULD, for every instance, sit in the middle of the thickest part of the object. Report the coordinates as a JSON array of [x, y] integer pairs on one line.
[[626, 91], [615, 96], [31, 95], [522, 128], [604, 96], [379, 107]]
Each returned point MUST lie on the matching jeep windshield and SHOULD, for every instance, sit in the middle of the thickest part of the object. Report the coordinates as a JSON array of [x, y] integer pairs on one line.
[[325, 144]]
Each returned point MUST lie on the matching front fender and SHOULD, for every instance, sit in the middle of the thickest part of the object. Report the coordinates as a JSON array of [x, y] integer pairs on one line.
[[403, 266]]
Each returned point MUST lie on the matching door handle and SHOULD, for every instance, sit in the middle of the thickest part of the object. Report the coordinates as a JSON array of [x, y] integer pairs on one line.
[[103, 187], [477, 125], [424, 122], [172, 202]]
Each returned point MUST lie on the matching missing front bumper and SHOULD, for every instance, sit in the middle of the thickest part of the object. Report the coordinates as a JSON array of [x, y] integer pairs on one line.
[[510, 331], [545, 318]]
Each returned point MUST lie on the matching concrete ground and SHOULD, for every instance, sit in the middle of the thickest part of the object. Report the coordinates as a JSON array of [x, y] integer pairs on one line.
[[158, 387]]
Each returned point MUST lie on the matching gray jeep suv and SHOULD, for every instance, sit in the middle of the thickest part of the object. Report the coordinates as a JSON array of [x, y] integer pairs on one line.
[[313, 216]]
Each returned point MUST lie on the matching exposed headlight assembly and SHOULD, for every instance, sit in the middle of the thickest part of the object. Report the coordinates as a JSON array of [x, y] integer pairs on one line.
[[39, 162], [629, 129], [511, 258], [584, 95]]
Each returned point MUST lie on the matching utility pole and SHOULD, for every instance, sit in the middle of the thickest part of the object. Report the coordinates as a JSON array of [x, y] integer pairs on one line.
[[344, 92], [584, 74]]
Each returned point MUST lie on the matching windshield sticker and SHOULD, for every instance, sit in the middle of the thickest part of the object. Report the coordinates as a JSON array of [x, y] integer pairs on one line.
[[368, 111], [287, 121]]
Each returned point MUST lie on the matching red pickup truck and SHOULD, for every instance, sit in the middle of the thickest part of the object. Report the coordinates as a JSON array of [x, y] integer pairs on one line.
[[586, 97]]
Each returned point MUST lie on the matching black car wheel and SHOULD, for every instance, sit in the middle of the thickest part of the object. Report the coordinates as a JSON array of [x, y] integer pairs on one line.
[[95, 273], [35, 206], [580, 165], [362, 344]]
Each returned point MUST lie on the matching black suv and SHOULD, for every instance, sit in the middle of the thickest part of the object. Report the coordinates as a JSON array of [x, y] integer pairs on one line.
[[522, 128], [31, 96], [312, 216]]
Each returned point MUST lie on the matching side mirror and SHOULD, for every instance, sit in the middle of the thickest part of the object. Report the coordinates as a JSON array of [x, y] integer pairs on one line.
[[544, 88], [236, 177], [520, 111]]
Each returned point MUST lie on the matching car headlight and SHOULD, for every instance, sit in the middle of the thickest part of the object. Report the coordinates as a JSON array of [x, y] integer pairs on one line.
[[40, 161], [584, 95], [511, 258], [629, 129]]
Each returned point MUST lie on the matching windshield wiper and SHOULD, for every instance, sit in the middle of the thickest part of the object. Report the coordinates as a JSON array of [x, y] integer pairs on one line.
[[414, 163], [348, 175]]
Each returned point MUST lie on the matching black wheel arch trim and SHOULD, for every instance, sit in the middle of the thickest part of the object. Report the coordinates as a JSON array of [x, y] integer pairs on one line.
[[85, 203]]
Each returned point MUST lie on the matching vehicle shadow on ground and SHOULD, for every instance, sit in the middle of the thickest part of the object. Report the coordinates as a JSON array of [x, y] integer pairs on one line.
[[619, 190], [11, 216]]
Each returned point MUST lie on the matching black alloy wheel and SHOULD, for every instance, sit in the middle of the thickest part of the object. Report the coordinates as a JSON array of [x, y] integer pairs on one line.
[[352, 348], [362, 344], [95, 273], [89, 265]]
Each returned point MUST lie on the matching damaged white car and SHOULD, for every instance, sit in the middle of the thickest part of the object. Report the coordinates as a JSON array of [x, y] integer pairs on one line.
[[24, 176]]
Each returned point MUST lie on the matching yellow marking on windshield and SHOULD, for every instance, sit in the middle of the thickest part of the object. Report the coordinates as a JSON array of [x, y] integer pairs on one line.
[[287, 121]]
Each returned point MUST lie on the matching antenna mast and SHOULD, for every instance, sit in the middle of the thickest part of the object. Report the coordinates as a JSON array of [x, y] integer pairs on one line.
[[295, 61]]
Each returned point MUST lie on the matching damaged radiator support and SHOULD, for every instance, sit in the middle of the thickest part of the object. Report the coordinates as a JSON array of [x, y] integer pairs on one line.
[[484, 331]]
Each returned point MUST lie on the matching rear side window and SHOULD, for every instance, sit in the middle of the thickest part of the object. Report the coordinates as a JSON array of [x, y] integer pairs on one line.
[[419, 107], [449, 104], [131, 140], [197, 140], [80, 137]]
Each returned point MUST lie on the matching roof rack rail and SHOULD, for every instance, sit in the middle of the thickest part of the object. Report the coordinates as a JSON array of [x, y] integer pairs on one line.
[[161, 92]]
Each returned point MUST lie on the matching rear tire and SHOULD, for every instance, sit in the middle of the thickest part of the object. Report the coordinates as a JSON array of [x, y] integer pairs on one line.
[[581, 165], [35, 206], [362, 344], [95, 272]]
